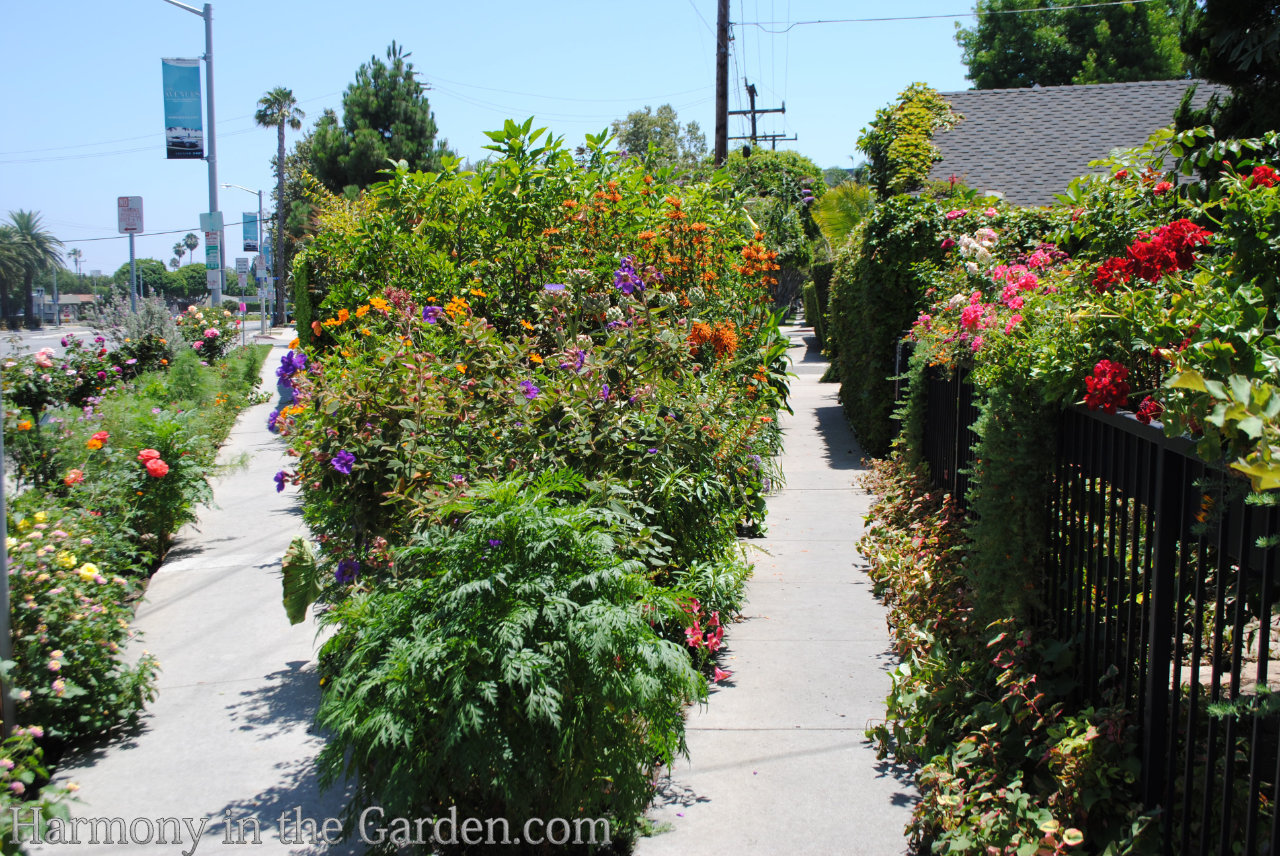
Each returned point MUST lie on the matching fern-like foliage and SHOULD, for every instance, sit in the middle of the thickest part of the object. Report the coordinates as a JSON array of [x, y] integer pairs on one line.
[[515, 672]]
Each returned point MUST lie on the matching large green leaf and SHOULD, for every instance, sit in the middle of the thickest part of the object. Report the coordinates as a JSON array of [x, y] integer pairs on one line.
[[301, 580]]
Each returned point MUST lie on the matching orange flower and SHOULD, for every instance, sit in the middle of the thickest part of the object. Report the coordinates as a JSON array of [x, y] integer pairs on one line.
[[166, 362], [362, 311], [293, 345], [478, 293], [316, 329], [550, 231], [525, 324], [94, 444], [379, 304], [343, 315], [73, 477], [24, 425], [535, 358], [724, 338], [460, 367], [648, 179], [570, 204], [647, 235]]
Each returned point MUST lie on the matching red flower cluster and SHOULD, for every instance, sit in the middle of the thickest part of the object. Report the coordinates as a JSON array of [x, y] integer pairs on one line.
[[1168, 249], [1106, 388], [1263, 176], [1149, 409]]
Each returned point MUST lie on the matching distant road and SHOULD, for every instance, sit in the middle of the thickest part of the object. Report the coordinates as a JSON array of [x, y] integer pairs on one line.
[[30, 341]]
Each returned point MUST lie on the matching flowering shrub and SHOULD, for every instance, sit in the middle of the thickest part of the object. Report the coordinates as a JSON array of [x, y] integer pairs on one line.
[[211, 333], [472, 334], [22, 772], [70, 621]]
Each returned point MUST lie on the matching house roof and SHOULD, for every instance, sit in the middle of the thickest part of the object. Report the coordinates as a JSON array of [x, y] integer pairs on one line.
[[1028, 144]]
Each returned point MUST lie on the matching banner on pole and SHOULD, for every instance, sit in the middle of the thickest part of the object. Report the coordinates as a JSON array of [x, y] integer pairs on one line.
[[183, 114], [250, 219]]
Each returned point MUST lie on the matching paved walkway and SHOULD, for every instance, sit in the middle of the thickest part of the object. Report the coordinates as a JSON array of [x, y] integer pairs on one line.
[[779, 763], [231, 729]]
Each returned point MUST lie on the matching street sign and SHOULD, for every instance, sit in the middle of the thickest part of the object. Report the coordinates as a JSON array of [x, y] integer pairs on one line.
[[212, 242], [242, 266], [211, 222], [212, 279], [129, 214]]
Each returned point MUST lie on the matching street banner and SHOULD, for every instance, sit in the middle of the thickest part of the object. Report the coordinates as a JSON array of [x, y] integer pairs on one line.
[[250, 219], [183, 115]]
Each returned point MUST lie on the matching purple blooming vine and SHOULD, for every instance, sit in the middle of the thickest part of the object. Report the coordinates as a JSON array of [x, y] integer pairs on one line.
[[342, 462]]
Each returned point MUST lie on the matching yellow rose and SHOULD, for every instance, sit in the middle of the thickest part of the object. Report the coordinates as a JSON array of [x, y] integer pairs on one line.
[[41, 517], [88, 571], [65, 559]]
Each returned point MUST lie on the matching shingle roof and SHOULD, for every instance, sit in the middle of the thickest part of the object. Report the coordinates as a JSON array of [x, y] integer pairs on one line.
[[1029, 143]]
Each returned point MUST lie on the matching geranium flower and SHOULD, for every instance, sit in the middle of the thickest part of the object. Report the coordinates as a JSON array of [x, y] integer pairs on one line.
[[1148, 410], [157, 468], [1106, 387], [342, 462], [1263, 176], [148, 455]]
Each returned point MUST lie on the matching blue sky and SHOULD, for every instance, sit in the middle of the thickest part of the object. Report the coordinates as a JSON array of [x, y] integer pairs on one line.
[[81, 114]]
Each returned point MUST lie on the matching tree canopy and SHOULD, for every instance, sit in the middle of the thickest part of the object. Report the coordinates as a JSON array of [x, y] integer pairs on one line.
[[154, 278], [35, 249], [385, 116], [1236, 43], [1076, 41], [682, 148]]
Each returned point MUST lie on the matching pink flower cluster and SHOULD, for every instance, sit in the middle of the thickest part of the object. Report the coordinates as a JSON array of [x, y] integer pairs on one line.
[[712, 638]]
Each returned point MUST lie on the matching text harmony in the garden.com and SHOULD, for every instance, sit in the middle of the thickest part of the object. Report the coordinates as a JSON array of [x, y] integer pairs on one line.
[[29, 825]]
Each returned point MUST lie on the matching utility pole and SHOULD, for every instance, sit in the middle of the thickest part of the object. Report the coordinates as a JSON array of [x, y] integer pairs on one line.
[[722, 82], [753, 112]]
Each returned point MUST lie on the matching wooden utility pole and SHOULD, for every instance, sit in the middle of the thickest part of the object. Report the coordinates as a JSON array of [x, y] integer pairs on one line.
[[722, 82], [753, 112]]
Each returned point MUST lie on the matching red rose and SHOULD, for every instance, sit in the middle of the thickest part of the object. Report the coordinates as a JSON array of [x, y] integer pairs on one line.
[[1162, 188], [157, 468], [148, 455], [73, 477], [101, 436]]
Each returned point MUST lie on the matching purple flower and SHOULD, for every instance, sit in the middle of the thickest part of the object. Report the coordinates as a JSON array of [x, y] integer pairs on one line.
[[291, 362], [347, 570], [604, 392], [431, 314], [102, 375], [495, 542], [459, 479], [652, 451], [554, 286], [625, 278], [271, 420], [530, 391], [342, 462], [280, 478]]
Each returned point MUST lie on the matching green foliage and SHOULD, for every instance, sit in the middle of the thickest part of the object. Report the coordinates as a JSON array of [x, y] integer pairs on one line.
[[19, 781], [841, 210], [26, 249], [1005, 765], [898, 142], [656, 137], [517, 675], [188, 282], [1074, 42], [211, 333], [385, 117], [154, 279], [1236, 43]]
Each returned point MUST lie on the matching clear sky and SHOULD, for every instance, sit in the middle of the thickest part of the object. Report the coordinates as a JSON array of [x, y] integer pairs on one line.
[[81, 113]]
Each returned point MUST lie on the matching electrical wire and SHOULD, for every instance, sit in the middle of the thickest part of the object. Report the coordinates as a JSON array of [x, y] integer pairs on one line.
[[764, 25]]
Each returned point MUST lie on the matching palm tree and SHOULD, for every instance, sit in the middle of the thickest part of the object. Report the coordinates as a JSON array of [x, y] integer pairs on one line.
[[38, 250], [841, 209], [175, 263], [276, 109], [76, 254], [191, 242], [10, 267], [179, 250]]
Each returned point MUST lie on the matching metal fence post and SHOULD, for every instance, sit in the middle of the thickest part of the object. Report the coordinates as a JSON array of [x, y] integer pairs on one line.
[[1167, 518]]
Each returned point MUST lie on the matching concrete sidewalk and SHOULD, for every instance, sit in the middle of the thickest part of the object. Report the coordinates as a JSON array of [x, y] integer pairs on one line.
[[778, 760], [230, 734]]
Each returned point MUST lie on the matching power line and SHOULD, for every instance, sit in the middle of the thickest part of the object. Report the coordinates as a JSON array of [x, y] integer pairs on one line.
[[698, 12], [112, 153], [145, 234], [764, 25]]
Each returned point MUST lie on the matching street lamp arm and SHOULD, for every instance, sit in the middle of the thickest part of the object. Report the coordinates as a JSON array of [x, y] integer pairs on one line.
[[190, 9]]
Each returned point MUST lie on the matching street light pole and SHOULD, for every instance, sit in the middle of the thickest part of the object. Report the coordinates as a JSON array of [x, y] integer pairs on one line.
[[262, 303], [211, 136]]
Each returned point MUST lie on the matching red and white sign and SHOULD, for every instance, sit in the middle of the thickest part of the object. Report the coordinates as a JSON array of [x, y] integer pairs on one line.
[[129, 214]]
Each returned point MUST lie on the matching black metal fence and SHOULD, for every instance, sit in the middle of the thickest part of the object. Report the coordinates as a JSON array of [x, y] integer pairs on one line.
[[1157, 573]]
